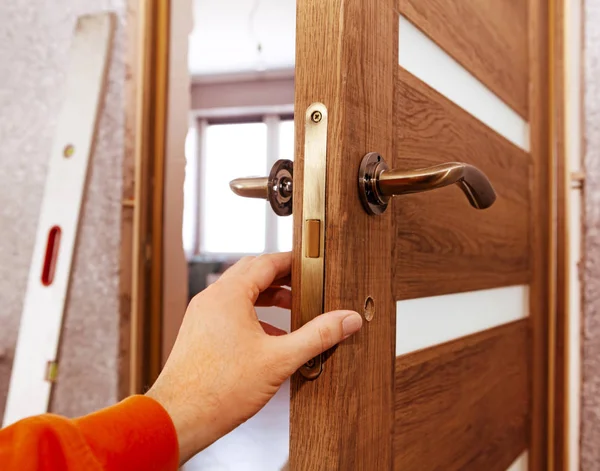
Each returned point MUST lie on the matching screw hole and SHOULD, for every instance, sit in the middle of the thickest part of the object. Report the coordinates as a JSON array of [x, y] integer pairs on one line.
[[369, 309], [68, 151], [378, 158]]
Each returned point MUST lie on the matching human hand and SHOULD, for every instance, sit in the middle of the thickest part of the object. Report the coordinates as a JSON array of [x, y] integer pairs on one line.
[[225, 364]]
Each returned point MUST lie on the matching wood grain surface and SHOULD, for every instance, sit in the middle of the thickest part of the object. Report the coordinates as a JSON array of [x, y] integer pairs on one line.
[[558, 437], [541, 228], [346, 55], [126, 267], [479, 401], [489, 38], [464, 404], [442, 245]]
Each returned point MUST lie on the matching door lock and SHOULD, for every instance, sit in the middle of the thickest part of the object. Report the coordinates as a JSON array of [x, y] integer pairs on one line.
[[377, 184], [277, 188]]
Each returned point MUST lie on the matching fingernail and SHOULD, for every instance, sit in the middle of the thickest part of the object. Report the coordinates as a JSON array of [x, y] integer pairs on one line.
[[351, 324]]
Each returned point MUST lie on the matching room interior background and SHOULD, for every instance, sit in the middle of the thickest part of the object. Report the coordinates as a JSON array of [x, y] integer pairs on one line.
[[94, 354]]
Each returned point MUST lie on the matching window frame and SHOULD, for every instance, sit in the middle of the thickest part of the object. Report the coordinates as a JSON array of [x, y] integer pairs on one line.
[[271, 116]]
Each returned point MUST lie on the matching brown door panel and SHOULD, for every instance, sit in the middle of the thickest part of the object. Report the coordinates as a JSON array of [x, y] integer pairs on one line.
[[441, 245], [489, 38], [479, 401], [464, 404]]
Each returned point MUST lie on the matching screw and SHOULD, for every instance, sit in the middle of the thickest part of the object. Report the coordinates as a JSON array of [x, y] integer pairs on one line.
[[310, 363], [316, 116], [68, 151]]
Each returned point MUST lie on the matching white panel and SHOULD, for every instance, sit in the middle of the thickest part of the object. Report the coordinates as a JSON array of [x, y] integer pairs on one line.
[[426, 60], [424, 322], [44, 304], [520, 464]]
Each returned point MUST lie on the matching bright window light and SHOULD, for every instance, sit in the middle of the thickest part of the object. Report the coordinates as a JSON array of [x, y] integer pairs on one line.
[[229, 223], [285, 225]]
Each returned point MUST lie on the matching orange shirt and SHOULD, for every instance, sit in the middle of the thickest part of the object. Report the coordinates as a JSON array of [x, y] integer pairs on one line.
[[136, 434]]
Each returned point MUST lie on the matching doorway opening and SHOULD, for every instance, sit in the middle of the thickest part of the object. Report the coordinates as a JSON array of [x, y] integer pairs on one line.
[[241, 64]]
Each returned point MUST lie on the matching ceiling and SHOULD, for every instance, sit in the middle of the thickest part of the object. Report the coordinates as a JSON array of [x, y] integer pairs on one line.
[[239, 36]]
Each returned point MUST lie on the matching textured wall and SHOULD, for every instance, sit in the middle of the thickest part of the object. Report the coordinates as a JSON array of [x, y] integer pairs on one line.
[[590, 414], [34, 44]]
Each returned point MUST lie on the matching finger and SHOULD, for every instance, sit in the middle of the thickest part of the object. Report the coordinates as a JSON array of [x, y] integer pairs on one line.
[[318, 335], [272, 330], [278, 297], [264, 270], [239, 267], [283, 281]]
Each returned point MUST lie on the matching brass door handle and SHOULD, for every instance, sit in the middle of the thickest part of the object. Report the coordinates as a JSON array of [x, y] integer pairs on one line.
[[378, 184], [277, 188]]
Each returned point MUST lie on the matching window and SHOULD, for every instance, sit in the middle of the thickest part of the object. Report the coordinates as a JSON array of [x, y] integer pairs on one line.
[[217, 223], [285, 225], [228, 223], [190, 188]]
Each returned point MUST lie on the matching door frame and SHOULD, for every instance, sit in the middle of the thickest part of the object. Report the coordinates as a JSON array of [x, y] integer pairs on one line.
[[562, 131], [142, 272], [141, 280]]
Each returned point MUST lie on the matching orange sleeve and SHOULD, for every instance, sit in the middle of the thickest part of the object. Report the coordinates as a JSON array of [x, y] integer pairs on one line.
[[136, 434]]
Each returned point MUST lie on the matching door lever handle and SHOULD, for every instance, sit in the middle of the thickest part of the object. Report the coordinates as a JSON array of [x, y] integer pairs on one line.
[[378, 184], [277, 188], [251, 187]]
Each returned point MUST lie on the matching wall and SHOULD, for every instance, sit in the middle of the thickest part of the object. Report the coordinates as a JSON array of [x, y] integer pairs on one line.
[[34, 43], [590, 412], [244, 92]]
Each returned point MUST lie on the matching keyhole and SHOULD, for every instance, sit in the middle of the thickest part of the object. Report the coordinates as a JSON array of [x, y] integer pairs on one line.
[[369, 309]]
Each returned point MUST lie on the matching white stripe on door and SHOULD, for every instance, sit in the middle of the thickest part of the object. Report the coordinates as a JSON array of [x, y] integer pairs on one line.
[[425, 322], [520, 464], [426, 60]]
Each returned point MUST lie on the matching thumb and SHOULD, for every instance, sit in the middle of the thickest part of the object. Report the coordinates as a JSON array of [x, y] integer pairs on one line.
[[319, 335]]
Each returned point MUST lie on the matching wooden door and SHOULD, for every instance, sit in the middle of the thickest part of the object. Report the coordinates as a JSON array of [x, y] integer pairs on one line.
[[450, 372]]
